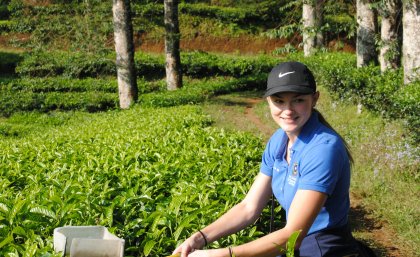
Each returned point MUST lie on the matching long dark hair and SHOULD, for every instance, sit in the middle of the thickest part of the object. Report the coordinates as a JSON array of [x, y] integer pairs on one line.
[[326, 124]]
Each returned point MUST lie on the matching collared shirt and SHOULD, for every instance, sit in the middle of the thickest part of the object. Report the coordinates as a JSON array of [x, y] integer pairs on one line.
[[319, 162]]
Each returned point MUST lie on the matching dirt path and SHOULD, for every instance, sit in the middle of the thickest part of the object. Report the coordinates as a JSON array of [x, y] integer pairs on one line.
[[369, 230]]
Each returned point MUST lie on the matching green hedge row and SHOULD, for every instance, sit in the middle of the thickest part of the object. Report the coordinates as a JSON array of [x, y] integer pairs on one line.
[[93, 95], [12, 102], [199, 91], [68, 64], [195, 64], [63, 84]]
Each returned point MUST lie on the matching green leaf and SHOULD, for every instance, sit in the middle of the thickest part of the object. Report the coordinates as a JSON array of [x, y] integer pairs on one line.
[[184, 223], [109, 213], [291, 242], [148, 247], [4, 208], [30, 251], [6, 241], [19, 203], [19, 231], [44, 212]]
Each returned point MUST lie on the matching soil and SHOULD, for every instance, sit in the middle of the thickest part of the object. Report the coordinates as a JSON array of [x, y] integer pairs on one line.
[[373, 232], [240, 45]]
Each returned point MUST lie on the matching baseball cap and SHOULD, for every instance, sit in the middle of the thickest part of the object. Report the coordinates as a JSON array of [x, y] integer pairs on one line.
[[290, 77]]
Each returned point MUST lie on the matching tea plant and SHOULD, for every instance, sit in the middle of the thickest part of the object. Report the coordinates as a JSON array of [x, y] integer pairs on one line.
[[166, 176]]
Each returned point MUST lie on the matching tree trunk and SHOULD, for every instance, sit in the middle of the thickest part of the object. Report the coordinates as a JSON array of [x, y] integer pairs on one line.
[[367, 27], [309, 34], [319, 20], [390, 51], [172, 37], [411, 39], [124, 48]]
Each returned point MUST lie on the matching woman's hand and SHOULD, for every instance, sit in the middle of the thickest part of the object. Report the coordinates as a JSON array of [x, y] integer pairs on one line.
[[194, 242], [209, 253]]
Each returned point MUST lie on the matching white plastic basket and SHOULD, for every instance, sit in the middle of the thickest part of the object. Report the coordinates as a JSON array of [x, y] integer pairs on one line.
[[87, 241]]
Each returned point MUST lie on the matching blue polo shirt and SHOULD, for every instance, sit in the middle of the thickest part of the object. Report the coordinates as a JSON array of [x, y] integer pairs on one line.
[[319, 162]]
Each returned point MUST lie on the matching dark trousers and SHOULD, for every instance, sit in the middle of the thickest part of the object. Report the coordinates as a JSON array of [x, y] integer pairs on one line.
[[336, 242]]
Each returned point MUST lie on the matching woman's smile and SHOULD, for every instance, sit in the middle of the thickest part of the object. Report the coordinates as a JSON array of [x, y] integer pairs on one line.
[[291, 110]]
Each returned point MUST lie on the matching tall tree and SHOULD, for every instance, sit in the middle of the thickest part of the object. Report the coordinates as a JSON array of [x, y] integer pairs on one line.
[[411, 39], [309, 22], [172, 37], [390, 48], [319, 20], [366, 30], [124, 48], [312, 18]]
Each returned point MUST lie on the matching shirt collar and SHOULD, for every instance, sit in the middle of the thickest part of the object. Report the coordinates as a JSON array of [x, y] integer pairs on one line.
[[307, 131]]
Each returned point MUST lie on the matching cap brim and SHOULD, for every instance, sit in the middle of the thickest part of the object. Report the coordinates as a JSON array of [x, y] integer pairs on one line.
[[289, 88]]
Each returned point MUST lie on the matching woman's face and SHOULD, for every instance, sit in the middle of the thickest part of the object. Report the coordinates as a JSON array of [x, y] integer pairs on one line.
[[292, 110]]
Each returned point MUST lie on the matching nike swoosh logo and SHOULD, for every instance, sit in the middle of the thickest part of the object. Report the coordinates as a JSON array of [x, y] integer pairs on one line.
[[284, 74]]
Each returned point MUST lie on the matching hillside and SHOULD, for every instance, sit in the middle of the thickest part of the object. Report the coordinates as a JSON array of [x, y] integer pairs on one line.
[[64, 137]]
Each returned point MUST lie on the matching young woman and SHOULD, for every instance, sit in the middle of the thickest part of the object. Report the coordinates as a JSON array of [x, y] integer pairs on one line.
[[306, 165]]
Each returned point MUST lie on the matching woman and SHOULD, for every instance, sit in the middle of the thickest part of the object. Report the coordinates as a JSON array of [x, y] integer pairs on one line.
[[306, 165]]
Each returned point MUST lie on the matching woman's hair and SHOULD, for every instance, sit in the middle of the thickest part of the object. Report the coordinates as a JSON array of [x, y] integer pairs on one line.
[[325, 123]]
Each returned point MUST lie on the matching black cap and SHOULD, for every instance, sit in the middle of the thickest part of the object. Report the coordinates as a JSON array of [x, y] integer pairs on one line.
[[290, 77]]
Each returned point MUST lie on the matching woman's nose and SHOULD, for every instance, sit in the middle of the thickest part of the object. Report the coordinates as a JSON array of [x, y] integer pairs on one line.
[[288, 106]]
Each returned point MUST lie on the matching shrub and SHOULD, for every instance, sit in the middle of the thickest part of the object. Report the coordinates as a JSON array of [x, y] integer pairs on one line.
[[74, 65], [195, 64], [200, 91], [4, 12], [8, 62], [60, 84]]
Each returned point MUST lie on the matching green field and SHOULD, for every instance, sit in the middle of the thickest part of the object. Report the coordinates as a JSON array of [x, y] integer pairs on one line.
[[177, 160]]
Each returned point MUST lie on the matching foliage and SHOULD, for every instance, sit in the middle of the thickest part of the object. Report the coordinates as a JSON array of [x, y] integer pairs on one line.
[[338, 22], [68, 64], [198, 92], [84, 26], [8, 62], [286, 49], [49, 94], [5, 26], [4, 12], [195, 64], [143, 185]]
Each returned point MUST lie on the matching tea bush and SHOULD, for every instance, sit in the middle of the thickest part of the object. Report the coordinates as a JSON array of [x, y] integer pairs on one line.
[[195, 64], [49, 94], [142, 184], [12, 102], [200, 91], [8, 62], [73, 65]]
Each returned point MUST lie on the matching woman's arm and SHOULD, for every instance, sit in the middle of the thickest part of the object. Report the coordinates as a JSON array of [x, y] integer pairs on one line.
[[305, 207], [302, 213], [237, 218]]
